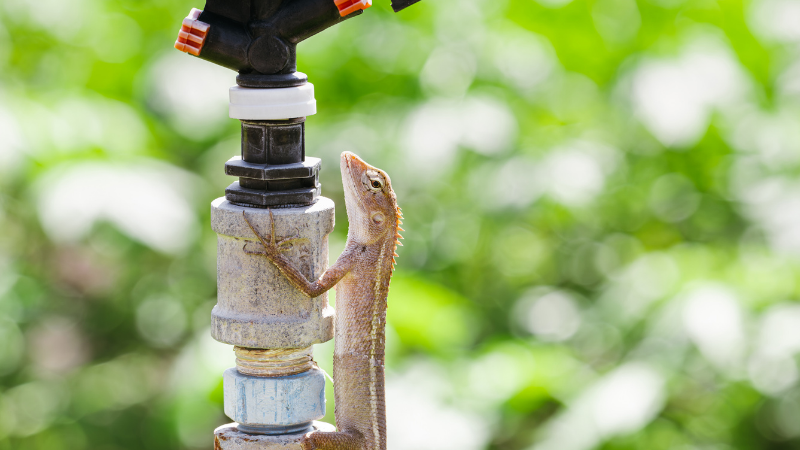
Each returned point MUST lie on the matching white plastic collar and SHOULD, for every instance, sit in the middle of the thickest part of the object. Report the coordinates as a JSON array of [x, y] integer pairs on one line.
[[272, 104]]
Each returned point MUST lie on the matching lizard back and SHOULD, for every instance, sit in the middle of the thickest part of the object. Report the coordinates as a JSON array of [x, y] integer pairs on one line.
[[361, 302], [359, 353]]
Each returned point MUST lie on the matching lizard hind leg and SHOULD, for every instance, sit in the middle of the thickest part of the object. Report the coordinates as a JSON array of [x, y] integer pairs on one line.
[[339, 440]]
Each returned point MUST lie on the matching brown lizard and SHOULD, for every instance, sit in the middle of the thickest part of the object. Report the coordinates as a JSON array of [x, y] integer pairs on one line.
[[361, 275]]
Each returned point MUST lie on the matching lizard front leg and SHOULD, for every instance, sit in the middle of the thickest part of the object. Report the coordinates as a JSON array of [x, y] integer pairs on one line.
[[312, 289]]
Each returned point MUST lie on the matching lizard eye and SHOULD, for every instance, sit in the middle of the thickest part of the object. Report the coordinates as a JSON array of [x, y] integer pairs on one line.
[[372, 180]]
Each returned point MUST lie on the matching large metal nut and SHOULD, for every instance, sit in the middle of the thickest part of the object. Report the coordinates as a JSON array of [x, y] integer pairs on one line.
[[257, 307], [228, 437], [279, 401]]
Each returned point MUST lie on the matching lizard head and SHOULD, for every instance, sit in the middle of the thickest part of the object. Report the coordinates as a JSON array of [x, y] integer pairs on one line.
[[372, 210]]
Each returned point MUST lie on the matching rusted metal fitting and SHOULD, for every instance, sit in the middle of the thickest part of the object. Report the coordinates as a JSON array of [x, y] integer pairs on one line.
[[229, 437]]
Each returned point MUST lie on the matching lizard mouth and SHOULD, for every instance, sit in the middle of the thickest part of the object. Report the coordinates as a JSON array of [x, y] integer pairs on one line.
[[355, 166], [351, 160], [350, 166]]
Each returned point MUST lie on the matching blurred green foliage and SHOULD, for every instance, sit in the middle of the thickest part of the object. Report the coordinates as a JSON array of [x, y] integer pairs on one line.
[[601, 197]]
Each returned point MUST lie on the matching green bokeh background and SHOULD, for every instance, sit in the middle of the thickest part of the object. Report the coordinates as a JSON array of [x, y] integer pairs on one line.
[[602, 210]]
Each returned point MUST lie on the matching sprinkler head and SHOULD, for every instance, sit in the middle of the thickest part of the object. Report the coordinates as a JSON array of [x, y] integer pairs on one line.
[[258, 38]]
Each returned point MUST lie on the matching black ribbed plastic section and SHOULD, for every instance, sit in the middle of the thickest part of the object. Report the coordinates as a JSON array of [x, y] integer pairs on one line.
[[273, 169]]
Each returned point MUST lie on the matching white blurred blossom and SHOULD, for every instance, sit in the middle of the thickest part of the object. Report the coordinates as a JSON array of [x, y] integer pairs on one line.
[[415, 401], [78, 123], [192, 93], [517, 183], [62, 19], [714, 321], [524, 59], [551, 315], [194, 375], [573, 174], [788, 82], [12, 143], [161, 321], [774, 204], [385, 43], [148, 201], [772, 366], [106, 40], [31, 407], [775, 20], [576, 172], [635, 287], [675, 97], [773, 137], [621, 402], [436, 130], [496, 376], [449, 71]]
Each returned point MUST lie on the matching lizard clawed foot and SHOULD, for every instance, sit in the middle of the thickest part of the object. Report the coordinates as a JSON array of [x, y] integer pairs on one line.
[[271, 247], [269, 241], [280, 247], [289, 241], [252, 252]]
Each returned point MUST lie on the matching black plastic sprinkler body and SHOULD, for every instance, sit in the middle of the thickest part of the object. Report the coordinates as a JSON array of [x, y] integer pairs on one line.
[[258, 39]]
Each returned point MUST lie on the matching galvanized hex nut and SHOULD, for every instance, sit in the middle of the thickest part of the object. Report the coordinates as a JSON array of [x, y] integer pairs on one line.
[[289, 400]]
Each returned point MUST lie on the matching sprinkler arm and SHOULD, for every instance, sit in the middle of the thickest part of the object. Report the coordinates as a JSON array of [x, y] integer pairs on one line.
[[259, 37]]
